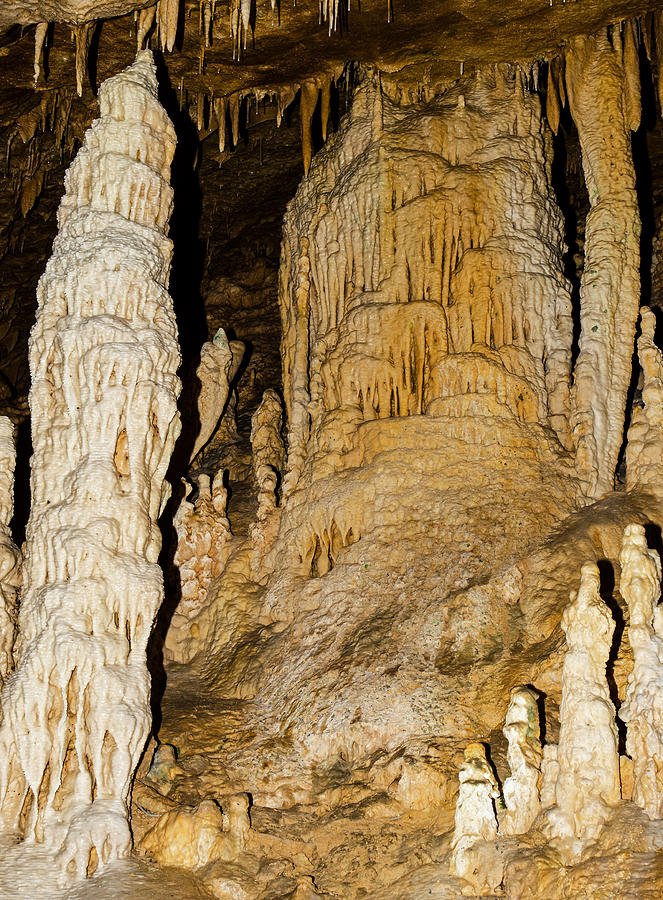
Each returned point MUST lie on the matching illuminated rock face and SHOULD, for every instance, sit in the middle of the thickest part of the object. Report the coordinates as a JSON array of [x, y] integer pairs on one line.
[[103, 360]]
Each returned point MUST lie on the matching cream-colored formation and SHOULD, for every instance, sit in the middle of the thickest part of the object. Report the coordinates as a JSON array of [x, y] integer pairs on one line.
[[268, 450], [644, 461], [588, 780], [10, 555], [103, 360], [522, 788], [475, 822], [605, 106], [203, 535], [642, 710], [219, 361]]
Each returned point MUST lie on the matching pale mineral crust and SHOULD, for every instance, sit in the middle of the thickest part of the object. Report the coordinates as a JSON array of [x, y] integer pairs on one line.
[[642, 709], [103, 360]]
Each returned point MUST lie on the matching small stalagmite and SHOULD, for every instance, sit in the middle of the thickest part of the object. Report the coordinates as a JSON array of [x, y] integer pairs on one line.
[[644, 461], [588, 780], [103, 360], [203, 535], [642, 710], [268, 450], [522, 789], [475, 821], [219, 362], [10, 555]]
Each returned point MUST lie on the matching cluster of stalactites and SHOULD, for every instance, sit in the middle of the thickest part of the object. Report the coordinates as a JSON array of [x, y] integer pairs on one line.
[[103, 361], [454, 295]]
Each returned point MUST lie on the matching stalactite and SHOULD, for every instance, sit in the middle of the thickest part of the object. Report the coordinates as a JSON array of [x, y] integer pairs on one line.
[[553, 104], [10, 556], [610, 285], [168, 12], [245, 9], [103, 360], [324, 107], [41, 32], [234, 102], [83, 37], [220, 111], [146, 18], [307, 104]]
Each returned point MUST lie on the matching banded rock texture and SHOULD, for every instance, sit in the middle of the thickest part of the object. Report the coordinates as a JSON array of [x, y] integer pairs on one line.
[[103, 360]]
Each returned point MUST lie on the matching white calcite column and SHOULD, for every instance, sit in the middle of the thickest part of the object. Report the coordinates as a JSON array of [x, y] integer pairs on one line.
[[475, 818], [605, 112], [103, 361], [522, 789], [10, 556], [588, 780], [642, 710]]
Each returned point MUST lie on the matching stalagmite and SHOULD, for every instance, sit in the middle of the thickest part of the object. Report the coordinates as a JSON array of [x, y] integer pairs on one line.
[[644, 460], [10, 556], [475, 820], [219, 362], [103, 360], [193, 837], [521, 789], [268, 450], [203, 535], [40, 40], [603, 111], [642, 710], [588, 780]]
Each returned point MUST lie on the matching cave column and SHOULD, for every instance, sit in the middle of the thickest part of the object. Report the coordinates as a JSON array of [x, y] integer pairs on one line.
[[605, 109], [103, 401]]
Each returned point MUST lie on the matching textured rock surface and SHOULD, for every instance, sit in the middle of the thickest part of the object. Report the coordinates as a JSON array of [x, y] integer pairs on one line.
[[103, 360], [10, 556]]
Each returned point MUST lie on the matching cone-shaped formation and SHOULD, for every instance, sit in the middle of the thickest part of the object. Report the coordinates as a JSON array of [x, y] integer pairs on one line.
[[219, 362], [588, 779], [642, 710], [522, 789], [475, 820], [10, 556], [103, 359]]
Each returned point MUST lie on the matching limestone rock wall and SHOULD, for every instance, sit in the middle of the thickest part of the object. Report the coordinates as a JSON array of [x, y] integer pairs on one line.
[[103, 360], [10, 556]]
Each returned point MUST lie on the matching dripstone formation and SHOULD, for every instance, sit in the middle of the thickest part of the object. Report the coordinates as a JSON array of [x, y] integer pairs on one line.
[[396, 631]]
